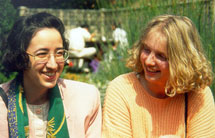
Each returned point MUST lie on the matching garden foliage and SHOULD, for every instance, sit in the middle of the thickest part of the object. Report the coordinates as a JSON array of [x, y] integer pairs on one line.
[[7, 17]]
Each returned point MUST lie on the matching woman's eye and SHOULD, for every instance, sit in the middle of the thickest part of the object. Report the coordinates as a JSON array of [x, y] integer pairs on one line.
[[60, 53], [42, 54], [162, 57], [146, 50]]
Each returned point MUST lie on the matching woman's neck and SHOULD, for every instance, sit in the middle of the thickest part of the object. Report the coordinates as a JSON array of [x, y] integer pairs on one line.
[[154, 89], [36, 99], [35, 95]]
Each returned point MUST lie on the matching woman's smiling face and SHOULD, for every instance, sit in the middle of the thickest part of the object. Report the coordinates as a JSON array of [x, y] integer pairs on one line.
[[154, 58], [44, 75]]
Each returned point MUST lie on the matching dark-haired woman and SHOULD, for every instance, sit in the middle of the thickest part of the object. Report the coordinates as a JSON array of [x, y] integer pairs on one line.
[[38, 104]]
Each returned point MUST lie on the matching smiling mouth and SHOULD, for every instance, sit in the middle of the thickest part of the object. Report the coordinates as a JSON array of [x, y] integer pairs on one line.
[[152, 70], [50, 74]]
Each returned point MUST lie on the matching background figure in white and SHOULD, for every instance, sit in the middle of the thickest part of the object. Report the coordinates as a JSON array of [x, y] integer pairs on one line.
[[77, 38], [119, 36]]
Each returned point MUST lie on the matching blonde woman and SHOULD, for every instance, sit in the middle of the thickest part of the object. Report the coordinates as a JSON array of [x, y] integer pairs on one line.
[[167, 94]]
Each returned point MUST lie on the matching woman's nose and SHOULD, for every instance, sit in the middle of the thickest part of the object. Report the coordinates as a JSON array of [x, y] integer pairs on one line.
[[150, 60], [52, 62]]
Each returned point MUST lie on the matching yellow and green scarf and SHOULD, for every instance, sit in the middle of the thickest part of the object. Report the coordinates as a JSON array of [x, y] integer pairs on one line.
[[18, 116]]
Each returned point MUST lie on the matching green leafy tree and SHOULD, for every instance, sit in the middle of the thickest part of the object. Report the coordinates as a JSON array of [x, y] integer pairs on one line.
[[7, 17]]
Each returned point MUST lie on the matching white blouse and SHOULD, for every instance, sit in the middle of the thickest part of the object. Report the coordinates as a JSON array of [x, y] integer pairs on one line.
[[38, 116]]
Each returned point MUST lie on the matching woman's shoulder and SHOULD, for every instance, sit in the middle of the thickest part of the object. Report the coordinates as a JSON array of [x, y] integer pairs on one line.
[[202, 96], [125, 77], [5, 86], [79, 93], [72, 82], [123, 84], [77, 87], [206, 91]]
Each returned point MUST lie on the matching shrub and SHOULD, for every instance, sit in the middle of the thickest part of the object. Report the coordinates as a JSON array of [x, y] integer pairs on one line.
[[7, 17]]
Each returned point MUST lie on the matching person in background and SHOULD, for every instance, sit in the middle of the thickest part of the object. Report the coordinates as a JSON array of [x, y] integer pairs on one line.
[[167, 95], [77, 43], [38, 103], [119, 36]]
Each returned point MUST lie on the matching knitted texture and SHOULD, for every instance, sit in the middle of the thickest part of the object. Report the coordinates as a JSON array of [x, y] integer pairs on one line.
[[130, 112]]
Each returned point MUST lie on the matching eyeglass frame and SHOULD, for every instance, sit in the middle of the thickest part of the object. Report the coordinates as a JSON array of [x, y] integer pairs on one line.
[[49, 54]]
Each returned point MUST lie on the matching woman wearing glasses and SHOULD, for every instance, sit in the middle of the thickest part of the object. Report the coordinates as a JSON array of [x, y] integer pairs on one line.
[[38, 103]]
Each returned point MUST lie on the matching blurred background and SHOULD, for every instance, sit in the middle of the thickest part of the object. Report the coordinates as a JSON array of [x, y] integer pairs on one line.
[[131, 15]]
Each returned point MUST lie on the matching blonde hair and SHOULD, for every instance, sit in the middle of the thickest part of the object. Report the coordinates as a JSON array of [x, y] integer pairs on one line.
[[189, 68]]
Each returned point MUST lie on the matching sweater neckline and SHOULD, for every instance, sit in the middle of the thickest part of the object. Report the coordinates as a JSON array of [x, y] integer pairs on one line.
[[144, 91]]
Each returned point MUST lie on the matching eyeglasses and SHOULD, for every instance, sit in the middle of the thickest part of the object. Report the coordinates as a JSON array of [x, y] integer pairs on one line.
[[60, 55]]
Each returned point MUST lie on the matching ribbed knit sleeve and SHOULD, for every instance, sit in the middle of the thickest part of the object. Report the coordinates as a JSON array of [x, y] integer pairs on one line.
[[116, 120], [201, 114]]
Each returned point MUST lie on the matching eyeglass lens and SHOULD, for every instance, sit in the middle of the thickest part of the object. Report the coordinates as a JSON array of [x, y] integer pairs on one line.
[[60, 56]]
